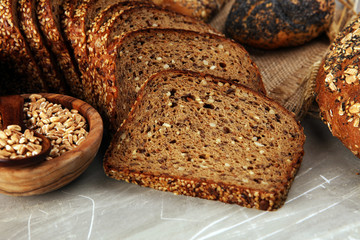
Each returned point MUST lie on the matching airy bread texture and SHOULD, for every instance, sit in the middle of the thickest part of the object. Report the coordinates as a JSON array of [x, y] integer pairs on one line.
[[272, 24], [338, 87], [206, 137]]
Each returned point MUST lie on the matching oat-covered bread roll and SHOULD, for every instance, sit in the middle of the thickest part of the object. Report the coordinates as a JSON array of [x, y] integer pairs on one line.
[[272, 24], [338, 87]]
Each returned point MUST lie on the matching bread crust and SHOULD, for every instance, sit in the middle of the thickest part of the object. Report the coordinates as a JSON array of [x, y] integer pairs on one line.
[[16, 55], [50, 25], [269, 200], [202, 9], [97, 32], [272, 24], [337, 87], [40, 51]]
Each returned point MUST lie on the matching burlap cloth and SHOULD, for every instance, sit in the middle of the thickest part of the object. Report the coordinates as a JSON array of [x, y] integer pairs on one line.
[[289, 73]]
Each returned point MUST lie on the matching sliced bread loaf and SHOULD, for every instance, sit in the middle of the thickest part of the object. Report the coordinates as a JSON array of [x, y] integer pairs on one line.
[[128, 19], [42, 54], [24, 73], [140, 17], [142, 53], [93, 21], [79, 16], [206, 137], [49, 14]]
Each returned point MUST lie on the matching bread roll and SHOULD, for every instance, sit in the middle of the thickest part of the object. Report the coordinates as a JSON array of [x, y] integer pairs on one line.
[[273, 24], [338, 87]]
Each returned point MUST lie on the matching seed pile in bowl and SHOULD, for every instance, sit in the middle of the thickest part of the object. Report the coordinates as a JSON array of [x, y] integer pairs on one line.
[[65, 128], [15, 144]]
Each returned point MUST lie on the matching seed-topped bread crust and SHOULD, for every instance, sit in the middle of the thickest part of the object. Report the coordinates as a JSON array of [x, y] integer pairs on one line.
[[49, 13], [98, 15], [28, 24], [206, 137], [79, 16], [106, 23], [338, 87], [273, 24], [16, 55]]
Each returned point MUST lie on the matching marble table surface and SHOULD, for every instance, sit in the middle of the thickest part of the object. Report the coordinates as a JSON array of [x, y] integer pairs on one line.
[[323, 203]]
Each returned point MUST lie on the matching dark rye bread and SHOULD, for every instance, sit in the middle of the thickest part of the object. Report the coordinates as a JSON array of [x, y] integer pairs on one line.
[[142, 53], [23, 74], [32, 34], [272, 24], [338, 87], [131, 19], [49, 14], [202, 136]]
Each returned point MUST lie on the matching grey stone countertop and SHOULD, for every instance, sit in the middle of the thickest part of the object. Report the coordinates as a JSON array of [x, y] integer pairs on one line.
[[323, 203]]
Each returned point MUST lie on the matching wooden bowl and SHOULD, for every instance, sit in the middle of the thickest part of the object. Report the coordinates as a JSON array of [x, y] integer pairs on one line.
[[55, 173]]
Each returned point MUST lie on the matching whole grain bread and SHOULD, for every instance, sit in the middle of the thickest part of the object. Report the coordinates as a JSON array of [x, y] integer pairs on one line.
[[42, 54], [130, 19], [22, 75], [88, 24], [272, 24], [206, 137], [79, 16], [337, 87], [142, 53], [49, 14]]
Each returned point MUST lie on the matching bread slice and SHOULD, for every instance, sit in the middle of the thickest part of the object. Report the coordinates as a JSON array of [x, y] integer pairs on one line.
[[15, 55], [43, 56], [49, 14], [97, 14], [142, 53], [130, 18], [140, 17], [79, 16], [202, 136]]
